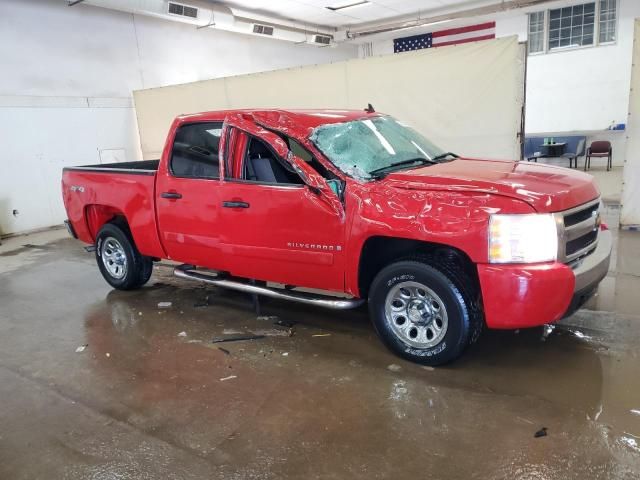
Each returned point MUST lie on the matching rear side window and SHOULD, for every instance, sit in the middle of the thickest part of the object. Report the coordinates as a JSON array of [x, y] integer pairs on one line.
[[195, 151]]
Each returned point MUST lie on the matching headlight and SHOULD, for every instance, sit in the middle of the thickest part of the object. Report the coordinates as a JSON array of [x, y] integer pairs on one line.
[[526, 238]]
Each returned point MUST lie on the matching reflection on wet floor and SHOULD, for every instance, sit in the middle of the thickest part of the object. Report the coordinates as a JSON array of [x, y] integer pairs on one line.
[[317, 396]]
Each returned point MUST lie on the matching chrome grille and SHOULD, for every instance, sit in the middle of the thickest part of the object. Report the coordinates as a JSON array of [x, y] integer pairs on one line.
[[578, 231]]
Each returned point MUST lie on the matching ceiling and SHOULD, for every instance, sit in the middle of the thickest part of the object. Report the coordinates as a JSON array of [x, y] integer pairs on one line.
[[314, 12]]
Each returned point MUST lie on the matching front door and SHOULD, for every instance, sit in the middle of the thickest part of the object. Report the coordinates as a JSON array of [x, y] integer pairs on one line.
[[277, 228]]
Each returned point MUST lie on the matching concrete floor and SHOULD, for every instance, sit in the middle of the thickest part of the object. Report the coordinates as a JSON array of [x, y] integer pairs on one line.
[[144, 400], [609, 182]]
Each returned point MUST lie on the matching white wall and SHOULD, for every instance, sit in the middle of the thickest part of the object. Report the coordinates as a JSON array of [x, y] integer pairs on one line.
[[582, 89], [66, 80]]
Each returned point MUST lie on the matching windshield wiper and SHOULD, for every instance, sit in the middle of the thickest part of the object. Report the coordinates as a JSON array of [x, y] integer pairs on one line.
[[444, 155], [412, 161]]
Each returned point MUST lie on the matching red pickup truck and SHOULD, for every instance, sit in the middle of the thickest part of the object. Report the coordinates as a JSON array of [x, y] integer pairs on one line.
[[349, 206]]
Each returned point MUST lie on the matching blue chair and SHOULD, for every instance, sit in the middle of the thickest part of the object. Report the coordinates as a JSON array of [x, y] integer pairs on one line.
[[573, 154]]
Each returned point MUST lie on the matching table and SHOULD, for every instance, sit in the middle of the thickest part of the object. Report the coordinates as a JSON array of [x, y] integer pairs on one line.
[[552, 149]]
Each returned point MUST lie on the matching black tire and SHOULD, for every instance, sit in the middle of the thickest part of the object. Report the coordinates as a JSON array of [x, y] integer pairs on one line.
[[135, 269], [453, 289], [147, 270]]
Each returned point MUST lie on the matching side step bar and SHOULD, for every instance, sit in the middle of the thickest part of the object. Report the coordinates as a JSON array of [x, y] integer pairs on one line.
[[188, 271]]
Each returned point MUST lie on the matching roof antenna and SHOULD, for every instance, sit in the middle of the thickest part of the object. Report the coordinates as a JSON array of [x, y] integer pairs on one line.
[[369, 109]]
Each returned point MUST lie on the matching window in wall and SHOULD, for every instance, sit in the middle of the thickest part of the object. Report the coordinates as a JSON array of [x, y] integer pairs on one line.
[[195, 151], [580, 25], [607, 21], [571, 26], [536, 32]]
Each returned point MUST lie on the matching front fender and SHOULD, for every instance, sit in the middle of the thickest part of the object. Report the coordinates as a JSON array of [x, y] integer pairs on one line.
[[454, 219]]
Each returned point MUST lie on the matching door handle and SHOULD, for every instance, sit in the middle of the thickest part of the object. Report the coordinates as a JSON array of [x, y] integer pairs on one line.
[[171, 195], [227, 204]]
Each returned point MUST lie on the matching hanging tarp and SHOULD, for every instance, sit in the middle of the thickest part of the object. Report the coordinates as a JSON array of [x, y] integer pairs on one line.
[[630, 212], [465, 98]]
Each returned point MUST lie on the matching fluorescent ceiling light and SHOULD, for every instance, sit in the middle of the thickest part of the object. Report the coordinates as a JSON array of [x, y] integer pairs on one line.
[[421, 25], [348, 4], [427, 24]]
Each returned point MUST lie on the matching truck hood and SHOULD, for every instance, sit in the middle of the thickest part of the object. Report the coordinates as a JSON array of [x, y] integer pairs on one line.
[[546, 188]]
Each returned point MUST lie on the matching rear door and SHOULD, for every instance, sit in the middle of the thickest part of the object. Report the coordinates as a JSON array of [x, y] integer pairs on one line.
[[276, 227], [187, 195]]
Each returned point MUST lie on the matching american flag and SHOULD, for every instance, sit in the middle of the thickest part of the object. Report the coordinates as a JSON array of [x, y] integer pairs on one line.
[[441, 38]]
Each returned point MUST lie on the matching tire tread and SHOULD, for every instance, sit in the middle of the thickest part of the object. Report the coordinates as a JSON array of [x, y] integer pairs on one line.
[[461, 285]]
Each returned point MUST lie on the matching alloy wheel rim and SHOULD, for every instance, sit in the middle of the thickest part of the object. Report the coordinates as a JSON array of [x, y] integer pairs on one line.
[[416, 314], [114, 258]]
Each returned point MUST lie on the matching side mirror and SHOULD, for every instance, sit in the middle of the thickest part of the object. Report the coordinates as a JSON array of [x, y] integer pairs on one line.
[[337, 187]]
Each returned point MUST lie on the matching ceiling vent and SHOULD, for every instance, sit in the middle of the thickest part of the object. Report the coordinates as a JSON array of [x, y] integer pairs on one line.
[[183, 10], [262, 29], [322, 39]]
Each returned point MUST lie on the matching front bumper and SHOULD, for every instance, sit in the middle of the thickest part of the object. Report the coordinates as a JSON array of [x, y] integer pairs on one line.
[[590, 271], [520, 296]]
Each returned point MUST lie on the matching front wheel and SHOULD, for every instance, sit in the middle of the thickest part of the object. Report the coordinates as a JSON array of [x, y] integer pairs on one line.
[[426, 312], [119, 261]]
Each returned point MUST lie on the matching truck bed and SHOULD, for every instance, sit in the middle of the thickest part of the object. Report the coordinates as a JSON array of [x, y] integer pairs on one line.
[[94, 194], [139, 167]]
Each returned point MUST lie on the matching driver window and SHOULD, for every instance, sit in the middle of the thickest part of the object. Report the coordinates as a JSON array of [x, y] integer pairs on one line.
[[262, 165]]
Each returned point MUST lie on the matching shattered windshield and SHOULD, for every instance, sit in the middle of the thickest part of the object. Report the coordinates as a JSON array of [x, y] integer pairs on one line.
[[365, 149]]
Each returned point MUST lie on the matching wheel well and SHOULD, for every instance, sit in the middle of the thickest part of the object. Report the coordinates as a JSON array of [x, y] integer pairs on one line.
[[121, 221], [98, 215], [378, 252]]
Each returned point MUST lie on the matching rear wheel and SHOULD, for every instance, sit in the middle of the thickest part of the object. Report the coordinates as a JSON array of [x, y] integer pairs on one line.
[[119, 261], [425, 312]]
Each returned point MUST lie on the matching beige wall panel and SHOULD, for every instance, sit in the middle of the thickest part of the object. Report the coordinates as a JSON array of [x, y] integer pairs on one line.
[[320, 86], [466, 98], [157, 107]]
